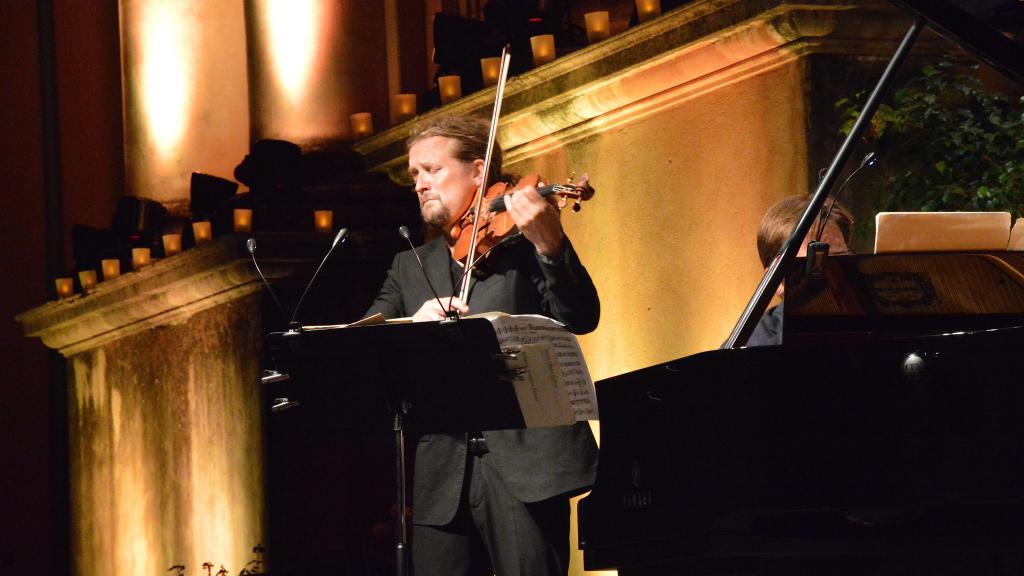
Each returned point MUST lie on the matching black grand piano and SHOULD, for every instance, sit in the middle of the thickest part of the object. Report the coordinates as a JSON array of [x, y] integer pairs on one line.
[[886, 435]]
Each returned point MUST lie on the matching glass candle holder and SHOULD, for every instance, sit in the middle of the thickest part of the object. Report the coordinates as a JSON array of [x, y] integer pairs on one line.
[[172, 244], [65, 287], [450, 88], [490, 68], [111, 268], [243, 220], [362, 124], [543, 48], [647, 9], [140, 258], [87, 278], [597, 26], [323, 221], [403, 107], [202, 231]]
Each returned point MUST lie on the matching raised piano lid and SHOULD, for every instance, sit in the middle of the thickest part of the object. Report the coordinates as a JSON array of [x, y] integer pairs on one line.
[[980, 26]]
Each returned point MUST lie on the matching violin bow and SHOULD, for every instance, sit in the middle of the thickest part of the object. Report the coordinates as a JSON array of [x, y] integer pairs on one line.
[[495, 114]]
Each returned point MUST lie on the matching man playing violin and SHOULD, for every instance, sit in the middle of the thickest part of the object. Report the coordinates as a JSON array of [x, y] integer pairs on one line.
[[491, 501]]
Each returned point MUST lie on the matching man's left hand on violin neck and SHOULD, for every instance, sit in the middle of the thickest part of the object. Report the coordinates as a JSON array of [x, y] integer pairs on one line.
[[538, 220]]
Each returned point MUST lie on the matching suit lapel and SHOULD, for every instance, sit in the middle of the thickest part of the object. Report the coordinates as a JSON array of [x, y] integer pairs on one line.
[[437, 261]]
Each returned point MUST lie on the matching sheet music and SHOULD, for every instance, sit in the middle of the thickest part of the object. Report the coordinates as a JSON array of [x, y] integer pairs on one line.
[[1017, 236], [539, 386], [941, 231], [517, 331]]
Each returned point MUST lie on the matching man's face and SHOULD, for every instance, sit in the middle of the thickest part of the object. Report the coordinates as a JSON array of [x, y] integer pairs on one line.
[[443, 184], [831, 235]]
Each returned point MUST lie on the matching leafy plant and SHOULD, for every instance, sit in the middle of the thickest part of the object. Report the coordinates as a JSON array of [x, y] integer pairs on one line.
[[946, 144]]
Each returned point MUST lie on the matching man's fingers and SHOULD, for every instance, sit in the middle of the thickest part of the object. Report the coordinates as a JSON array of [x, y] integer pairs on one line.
[[457, 304]]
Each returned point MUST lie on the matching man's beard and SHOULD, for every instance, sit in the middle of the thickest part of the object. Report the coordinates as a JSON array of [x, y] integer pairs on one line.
[[435, 217]]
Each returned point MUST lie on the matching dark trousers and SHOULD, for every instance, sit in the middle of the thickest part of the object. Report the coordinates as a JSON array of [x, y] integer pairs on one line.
[[494, 533]]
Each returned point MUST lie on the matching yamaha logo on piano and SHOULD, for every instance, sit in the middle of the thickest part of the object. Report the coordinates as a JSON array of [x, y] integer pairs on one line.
[[637, 498]]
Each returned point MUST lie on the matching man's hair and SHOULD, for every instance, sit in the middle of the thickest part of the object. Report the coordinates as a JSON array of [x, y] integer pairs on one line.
[[779, 221], [470, 136]]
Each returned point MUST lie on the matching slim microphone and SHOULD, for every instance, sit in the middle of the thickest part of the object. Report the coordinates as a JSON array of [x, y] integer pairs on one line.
[[449, 313], [869, 159], [250, 244], [817, 250], [340, 237]]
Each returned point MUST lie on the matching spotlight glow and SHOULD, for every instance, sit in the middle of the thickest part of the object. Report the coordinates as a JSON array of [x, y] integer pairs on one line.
[[167, 62], [294, 35]]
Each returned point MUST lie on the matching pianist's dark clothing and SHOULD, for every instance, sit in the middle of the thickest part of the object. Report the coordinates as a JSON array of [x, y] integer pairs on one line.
[[535, 465], [768, 331]]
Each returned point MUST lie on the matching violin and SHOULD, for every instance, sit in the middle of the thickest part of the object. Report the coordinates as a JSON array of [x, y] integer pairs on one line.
[[485, 225], [495, 225]]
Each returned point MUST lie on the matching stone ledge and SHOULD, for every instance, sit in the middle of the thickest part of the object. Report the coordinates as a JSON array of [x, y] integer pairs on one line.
[[168, 291], [681, 47]]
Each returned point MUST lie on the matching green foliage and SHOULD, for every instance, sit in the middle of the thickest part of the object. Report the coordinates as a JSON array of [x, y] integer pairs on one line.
[[946, 145]]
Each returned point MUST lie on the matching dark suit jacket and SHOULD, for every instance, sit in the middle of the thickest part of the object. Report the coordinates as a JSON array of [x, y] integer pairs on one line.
[[768, 331], [535, 464]]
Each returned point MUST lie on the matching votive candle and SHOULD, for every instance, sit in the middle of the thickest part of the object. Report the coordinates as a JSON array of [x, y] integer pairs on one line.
[[597, 26], [323, 221], [647, 9], [172, 244], [111, 268], [202, 231], [140, 258], [65, 287], [450, 88], [87, 278], [403, 107], [362, 124], [243, 220], [543, 48], [490, 68]]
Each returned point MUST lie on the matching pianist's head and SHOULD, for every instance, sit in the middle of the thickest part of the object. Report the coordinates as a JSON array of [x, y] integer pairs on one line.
[[778, 222]]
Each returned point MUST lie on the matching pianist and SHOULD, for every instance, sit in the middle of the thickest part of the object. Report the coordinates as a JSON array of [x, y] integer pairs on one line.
[[776, 226]]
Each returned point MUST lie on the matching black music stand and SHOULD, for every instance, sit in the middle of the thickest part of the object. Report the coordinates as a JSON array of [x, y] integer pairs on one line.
[[434, 376]]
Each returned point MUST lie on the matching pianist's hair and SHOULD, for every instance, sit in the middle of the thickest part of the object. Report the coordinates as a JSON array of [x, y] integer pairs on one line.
[[470, 136], [777, 224]]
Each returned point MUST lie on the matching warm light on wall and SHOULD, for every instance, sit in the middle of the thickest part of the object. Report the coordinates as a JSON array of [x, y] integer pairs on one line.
[[166, 71], [293, 30]]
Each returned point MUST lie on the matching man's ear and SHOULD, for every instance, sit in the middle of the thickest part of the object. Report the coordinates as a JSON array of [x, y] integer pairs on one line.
[[478, 171]]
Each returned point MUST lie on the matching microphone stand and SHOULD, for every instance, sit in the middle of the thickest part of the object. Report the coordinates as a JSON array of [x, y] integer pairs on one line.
[[775, 273]]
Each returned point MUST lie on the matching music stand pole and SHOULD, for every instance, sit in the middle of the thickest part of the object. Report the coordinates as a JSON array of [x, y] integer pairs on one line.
[[401, 547]]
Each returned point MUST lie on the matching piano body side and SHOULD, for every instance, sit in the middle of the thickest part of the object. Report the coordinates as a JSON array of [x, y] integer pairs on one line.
[[741, 455]]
